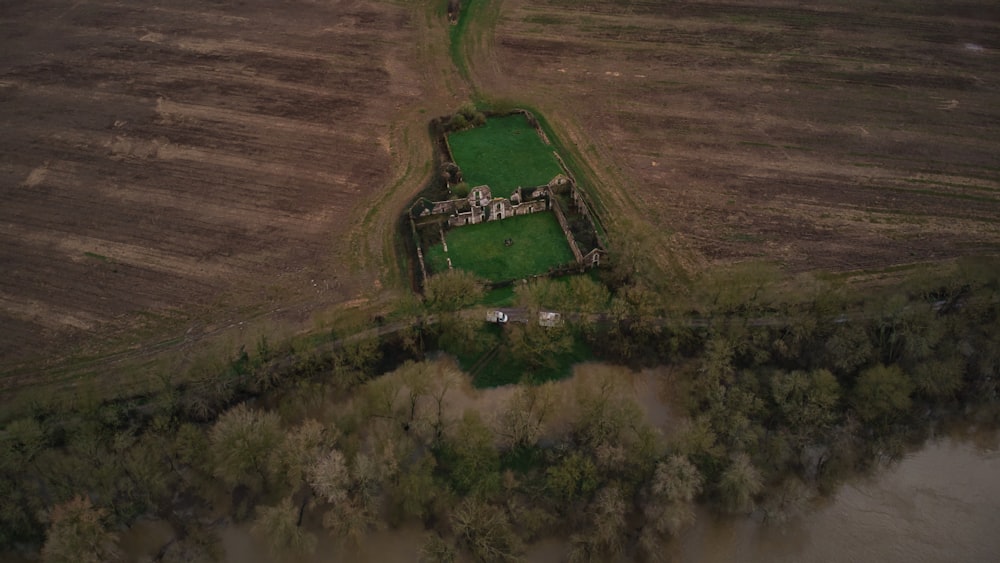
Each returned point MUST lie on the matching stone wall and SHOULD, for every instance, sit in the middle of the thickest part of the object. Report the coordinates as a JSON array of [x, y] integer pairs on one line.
[[462, 212], [561, 217]]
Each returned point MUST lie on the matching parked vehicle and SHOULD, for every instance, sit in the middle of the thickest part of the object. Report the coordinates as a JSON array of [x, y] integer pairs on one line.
[[548, 318], [496, 317]]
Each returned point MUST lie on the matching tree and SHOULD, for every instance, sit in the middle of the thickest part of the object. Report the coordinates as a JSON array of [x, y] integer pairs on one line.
[[280, 527], [522, 420], [354, 362], [409, 399], [696, 440], [740, 287], [437, 550], [415, 490], [357, 498], [806, 400], [739, 484], [587, 295], [669, 505], [195, 544], [78, 534], [848, 349], [329, 478], [882, 393], [464, 335], [473, 460], [350, 519], [300, 448], [485, 532], [939, 378], [242, 442], [383, 398], [787, 500], [542, 293], [573, 479], [737, 413], [191, 447], [453, 290], [612, 428], [604, 540], [538, 347]]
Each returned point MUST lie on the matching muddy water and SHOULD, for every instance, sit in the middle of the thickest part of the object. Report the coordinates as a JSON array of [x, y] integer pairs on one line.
[[940, 503]]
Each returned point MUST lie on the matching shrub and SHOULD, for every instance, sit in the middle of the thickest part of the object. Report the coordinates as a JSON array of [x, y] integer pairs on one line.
[[458, 122]]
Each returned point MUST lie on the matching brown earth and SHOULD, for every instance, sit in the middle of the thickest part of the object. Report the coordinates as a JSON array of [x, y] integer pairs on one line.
[[173, 172], [171, 169], [836, 136]]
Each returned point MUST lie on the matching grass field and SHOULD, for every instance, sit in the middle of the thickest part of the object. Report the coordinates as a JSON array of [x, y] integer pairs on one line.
[[495, 367], [504, 154], [539, 244]]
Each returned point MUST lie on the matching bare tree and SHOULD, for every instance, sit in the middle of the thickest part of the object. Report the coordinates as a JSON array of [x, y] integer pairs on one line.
[[329, 478], [523, 419], [280, 527], [301, 447], [739, 484], [485, 532], [78, 534]]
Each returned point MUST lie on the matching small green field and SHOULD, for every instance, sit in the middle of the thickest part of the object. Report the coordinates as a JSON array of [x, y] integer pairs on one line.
[[539, 244], [494, 367], [504, 154]]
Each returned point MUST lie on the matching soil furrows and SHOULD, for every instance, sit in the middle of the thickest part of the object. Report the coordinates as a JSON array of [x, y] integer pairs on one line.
[[827, 136], [171, 159]]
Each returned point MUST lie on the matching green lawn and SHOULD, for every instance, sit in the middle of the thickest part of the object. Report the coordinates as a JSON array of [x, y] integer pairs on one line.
[[501, 369], [504, 154], [494, 367], [539, 244]]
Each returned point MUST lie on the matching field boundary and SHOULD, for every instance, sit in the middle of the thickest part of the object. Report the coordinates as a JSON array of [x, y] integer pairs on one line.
[[437, 209]]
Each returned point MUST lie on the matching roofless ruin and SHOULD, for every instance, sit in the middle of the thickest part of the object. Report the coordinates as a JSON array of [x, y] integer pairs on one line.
[[497, 170]]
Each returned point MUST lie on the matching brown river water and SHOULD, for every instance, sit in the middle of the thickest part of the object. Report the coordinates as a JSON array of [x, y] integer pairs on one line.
[[940, 503]]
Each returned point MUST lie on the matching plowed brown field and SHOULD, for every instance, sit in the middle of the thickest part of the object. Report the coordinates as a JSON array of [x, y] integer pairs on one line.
[[828, 135], [169, 168]]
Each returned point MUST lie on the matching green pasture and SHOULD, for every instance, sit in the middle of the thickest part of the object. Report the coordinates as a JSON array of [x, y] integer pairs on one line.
[[504, 154], [539, 244], [496, 368]]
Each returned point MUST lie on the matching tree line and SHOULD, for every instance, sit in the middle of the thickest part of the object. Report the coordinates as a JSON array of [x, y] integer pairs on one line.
[[371, 434]]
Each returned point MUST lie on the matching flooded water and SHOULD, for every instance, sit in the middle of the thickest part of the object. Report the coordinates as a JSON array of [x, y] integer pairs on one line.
[[380, 547], [939, 503]]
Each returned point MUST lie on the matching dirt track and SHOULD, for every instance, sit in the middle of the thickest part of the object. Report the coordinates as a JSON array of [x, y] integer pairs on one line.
[[832, 136], [172, 167]]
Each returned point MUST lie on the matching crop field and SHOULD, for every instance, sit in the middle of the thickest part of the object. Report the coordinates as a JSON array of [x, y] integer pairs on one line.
[[170, 169], [505, 154], [538, 244], [839, 136]]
